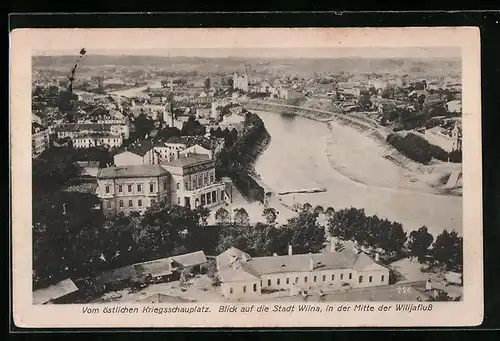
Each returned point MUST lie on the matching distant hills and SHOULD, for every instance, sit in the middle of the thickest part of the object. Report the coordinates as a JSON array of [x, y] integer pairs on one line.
[[434, 66]]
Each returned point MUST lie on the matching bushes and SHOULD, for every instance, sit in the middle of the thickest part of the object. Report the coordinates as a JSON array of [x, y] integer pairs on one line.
[[418, 149], [411, 147]]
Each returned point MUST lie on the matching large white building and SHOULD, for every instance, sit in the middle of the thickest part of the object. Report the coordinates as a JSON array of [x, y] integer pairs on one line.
[[188, 181], [243, 276], [39, 138], [108, 140]]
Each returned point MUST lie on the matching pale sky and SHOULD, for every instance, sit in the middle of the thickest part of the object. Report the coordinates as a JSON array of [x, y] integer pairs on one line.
[[335, 52]]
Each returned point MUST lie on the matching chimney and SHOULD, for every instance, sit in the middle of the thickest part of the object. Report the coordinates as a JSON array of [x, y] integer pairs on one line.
[[377, 256], [290, 252], [428, 285], [64, 208], [311, 262], [244, 257]]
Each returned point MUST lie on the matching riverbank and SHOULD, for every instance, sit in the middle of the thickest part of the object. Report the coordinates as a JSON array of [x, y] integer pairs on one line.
[[371, 152]]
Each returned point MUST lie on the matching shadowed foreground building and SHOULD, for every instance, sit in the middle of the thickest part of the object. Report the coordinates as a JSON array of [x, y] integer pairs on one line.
[[244, 277]]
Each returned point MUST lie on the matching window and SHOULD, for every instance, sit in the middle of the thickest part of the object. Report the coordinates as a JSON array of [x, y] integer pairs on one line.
[[341, 276], [382, 279], [139, 188], [360, 279], [214, 196], [107, 188], [152, 202], [121, 203], [244, 288], [333, 277], [151, 187], [350, 275], [178, 185], [186, 186], [315, 278], [164, 184], [211, 177], [130, 203], [178, 200], [108, 204], [287, 280], [324, 278], [130, 188], [296, 280], [268, 282], [278, 281], [208, 198], [139, 202], [230, 290], [260, 283], [255, 287], [120, 188], [305, 279], [221, 195], [370, 279]]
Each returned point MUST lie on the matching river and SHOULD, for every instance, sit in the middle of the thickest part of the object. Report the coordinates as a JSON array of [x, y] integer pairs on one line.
[[297, 158]]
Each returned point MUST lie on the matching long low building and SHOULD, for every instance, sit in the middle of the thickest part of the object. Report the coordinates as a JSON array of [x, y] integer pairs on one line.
[[245, 277]]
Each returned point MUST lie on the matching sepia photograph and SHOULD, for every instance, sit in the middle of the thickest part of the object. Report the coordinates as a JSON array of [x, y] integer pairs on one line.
[[188, 180]]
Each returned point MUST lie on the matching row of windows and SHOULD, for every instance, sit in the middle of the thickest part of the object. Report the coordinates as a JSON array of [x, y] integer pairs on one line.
[[130, 203], [139, 187], [244, 289], [199, 180], [315, 279]]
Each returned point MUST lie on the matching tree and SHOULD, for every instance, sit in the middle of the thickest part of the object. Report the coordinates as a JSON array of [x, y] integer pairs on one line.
[[192, 127], [303, 233], [319, 209], [270, 214], [419, 243], [222, 216], [241, 217], [448, 250]]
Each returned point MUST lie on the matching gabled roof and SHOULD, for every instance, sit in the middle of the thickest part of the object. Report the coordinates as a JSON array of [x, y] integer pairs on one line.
[[155, 268], [224, 259], [139, 148], [131, 171], [55, 291], [190, 259]]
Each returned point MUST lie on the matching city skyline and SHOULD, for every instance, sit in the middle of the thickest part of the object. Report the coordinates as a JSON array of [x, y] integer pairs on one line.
[[272, 53]]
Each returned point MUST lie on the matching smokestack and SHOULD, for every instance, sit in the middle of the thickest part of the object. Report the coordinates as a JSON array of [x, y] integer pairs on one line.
[[64, 208], [311, 262], [290, 250], [428, 285], [377, 256]]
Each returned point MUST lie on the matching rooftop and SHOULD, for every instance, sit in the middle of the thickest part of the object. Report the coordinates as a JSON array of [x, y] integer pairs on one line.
[[55, 291], [253, 267], [187, 161], [131, 171], [84, 126], [139, 148], [190, 259]]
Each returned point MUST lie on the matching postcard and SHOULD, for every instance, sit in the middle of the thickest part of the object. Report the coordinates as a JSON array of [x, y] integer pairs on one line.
[[250, 177]]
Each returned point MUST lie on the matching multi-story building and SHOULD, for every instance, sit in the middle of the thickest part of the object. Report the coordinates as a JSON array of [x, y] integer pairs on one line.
[[75, 130], [97, 139], [132, 188], [40, 139], [193, 182], [139, 153], [190, 182], [245, 277], [456, 135], [240, 82]]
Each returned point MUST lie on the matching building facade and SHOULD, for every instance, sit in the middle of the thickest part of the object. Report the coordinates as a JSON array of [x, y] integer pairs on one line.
[[193, 182], [245, 277], [40, 139], [132, 188], [97, 140], [240, 82]]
